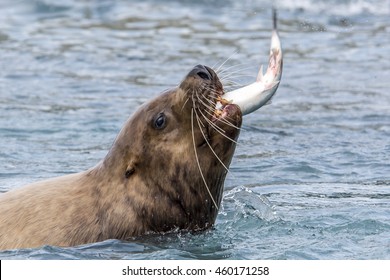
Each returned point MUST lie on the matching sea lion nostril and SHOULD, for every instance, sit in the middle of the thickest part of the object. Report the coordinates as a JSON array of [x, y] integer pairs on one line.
[[200, 71], [204, 75]]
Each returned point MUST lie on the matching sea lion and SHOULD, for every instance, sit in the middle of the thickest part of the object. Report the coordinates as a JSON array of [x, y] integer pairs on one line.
[[164, 172]]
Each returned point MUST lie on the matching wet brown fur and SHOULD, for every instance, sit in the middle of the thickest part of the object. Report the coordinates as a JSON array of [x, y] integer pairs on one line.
[[149, 182]]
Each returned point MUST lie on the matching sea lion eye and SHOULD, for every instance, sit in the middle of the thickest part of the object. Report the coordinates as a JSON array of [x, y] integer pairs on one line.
[[160, 121]]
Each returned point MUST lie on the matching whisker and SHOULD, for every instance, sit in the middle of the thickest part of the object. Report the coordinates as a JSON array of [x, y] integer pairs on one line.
[[218, 129], [210, 112], [230, 57], [226, 75], [182, 108], [207, 141], [221, 72], [235, 76], [197, 159], [210, 107], [213, 125], [231, 83]]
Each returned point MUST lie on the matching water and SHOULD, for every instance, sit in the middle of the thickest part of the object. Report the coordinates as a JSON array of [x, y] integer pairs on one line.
[[311, 176]]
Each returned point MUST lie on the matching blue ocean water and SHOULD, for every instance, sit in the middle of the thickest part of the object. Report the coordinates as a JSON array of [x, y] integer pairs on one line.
[[310, 178]]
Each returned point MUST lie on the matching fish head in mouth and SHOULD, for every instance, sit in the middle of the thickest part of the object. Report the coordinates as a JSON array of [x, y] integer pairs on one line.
[[215, 119], [215, 127]]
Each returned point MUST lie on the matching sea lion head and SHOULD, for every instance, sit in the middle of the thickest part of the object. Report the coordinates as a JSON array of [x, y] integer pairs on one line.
[[173, 154]]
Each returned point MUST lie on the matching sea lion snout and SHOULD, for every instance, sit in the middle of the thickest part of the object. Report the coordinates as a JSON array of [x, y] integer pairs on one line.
[[202, 72]]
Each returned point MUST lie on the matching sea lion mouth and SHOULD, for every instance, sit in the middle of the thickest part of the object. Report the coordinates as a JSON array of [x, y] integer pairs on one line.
[[207, 95], [223, 109], [217, 120]]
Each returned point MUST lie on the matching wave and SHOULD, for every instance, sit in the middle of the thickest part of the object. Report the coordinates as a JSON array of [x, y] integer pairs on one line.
[[337, 7]]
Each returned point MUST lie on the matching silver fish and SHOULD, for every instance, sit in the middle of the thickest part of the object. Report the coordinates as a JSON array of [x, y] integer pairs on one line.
[[252, 97]]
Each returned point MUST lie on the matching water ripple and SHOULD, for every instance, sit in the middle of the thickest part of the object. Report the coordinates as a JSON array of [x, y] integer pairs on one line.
[[310, 177]]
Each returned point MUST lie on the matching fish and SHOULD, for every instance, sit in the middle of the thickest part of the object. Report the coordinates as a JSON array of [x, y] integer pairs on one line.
[[254, 96]]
